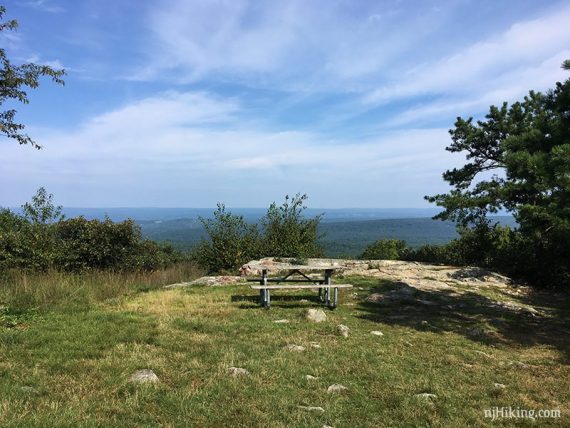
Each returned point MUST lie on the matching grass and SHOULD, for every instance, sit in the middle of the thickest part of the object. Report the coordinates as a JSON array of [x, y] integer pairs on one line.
[[76, 360]]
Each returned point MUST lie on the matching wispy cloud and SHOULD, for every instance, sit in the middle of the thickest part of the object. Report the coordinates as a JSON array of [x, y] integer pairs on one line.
[[45, 5], [177, 142]]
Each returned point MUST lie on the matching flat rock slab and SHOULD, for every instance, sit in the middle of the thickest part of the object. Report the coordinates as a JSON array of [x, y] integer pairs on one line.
[[294, 348], [312, 409], [238, 371], [211, 281], [336, 388], [426, 396], [144, 376]]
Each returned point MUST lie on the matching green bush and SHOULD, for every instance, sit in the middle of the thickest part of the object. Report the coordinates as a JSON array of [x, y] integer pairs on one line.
[[284, 233], [231, 241], [385, 249], [287, 233], [41, 240]]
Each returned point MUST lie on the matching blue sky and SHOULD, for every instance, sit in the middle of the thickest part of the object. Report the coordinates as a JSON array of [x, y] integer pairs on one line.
[[184, 103]]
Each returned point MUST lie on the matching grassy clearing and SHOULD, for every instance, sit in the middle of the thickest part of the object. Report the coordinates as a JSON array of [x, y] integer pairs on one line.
[[76, 362]]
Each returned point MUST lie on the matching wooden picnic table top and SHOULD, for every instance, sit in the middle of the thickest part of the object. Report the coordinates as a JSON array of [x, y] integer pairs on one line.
[[283, 287], [306, 268]]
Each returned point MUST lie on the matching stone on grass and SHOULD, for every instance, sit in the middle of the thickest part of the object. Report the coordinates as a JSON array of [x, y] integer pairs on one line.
[[312, 408], [484, 354], [426, 396], [500, 385], [327, 426], [28, 389], [315, 315], [294, 348], [281, 321], [144, 376], [376, 333], [343, 330], [238, 371], [314, 345], [519, 364], [310, 377], [336, 388]]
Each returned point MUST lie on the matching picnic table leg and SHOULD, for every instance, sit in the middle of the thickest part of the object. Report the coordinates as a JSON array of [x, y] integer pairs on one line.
[[328, 275], [263, 292], [335, 298]]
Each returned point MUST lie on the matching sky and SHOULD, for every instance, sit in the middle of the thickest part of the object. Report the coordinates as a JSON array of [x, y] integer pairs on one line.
[[186, 103]]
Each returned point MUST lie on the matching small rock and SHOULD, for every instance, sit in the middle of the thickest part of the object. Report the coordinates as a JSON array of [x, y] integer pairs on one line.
[[426, 396], [336, 388], [407, 343], [28, 389], [294, 348], [500, 385], [144, 376], [312, 409], [310, 377], [484, 354], [238, 371], [315, 315], [519, 364], [281, 321], [424, 323], [327, 426], [314, 345], [303, 301], [343, 330], [377, 333]]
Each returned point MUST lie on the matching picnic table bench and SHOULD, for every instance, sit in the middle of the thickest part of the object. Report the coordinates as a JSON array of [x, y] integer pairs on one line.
[[328, 292]]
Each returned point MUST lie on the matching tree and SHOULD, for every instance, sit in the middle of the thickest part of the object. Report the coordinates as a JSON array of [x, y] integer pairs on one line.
[[231, 241], [525, 148], [287, 233], [13, 81], [41, 209]]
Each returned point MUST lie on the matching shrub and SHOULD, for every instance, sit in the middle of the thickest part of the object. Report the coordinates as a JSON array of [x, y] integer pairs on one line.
[[385, 249], [231, 241], [287, 233]]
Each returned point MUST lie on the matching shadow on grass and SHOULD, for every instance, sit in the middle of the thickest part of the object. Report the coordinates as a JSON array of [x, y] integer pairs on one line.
[[537, 318], [291, 301]]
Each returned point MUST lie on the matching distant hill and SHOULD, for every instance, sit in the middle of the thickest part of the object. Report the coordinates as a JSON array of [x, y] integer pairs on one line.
[[340, 238], [346, 231]]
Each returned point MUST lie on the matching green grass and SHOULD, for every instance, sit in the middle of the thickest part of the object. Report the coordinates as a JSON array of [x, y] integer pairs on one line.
[[78, 360]]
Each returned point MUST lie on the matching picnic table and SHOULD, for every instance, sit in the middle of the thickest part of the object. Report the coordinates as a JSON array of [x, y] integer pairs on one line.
[[296, 275]]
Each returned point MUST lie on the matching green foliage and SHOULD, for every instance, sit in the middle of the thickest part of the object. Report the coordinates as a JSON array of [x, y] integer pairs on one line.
[[42, 239], [527, 145], [286, 233], [13, 81], [41, 209], [385, 249], [232, 241]]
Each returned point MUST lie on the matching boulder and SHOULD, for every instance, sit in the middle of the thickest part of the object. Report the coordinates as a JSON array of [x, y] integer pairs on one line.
[[343, 330], [315, 315], [144, 376]]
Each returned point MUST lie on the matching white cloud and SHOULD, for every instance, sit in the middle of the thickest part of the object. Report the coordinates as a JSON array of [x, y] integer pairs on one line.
[[296, 45], [490, 63], [172, 148]]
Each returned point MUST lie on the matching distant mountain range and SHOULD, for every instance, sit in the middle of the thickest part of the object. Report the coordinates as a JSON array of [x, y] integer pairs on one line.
[[345, 232]]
